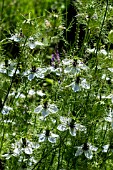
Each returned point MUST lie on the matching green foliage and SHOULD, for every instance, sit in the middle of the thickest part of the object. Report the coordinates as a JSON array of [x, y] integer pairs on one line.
[[56, 102]]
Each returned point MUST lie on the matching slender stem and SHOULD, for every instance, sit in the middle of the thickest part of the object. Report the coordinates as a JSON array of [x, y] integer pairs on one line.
[[98, 41]]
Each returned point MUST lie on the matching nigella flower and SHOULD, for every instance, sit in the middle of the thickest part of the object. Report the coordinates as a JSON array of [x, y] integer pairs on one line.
[[32, 44], [48, 135], [9, 70], [6, 110], [39, 73], [24, 145], [68, 123], [109, 118], [73, 66], [16, 37], [46, 108], [78, 84], [87, 149]]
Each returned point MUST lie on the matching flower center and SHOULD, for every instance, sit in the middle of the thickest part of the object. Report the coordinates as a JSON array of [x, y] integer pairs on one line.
[[24, 143], [72, 125], [33, 69], [75, 63], [45, 105], [85, 147], [77, 80], [47, 132]]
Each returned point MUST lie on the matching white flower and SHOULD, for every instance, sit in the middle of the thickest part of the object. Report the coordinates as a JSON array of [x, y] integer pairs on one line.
[[32, 44], [87, 149], [6, 110], [109, 118], [73, 66], [79, 84], [39, 73], [68, 123], [46, 109], [47, 135], [24, 145], [15, 38]]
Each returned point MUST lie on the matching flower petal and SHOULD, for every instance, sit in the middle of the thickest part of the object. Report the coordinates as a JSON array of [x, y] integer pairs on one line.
[[67, 70], [62, 127], [39, 43], [84, 84], [16, 151], [54, 135], [32, 45], [80, 127], [28, 150], [88, 154], [93, 148], [52, 108], [105, 148], [38, 109], [45, 112], [109, 119], [72, 131], [31, 77], [64, 120], [42, 137], [6, 110], [75, 87], [79, 151], [52, 139]]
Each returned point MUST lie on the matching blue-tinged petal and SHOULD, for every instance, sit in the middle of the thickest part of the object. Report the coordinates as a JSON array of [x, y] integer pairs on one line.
[[31, 76], [62, 127], [52, 108], [42, 137], [67, 69], [79, 151], [38, 109], [45, 112], [6, 110], [52, 139], [88, 153], [75, 87]]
